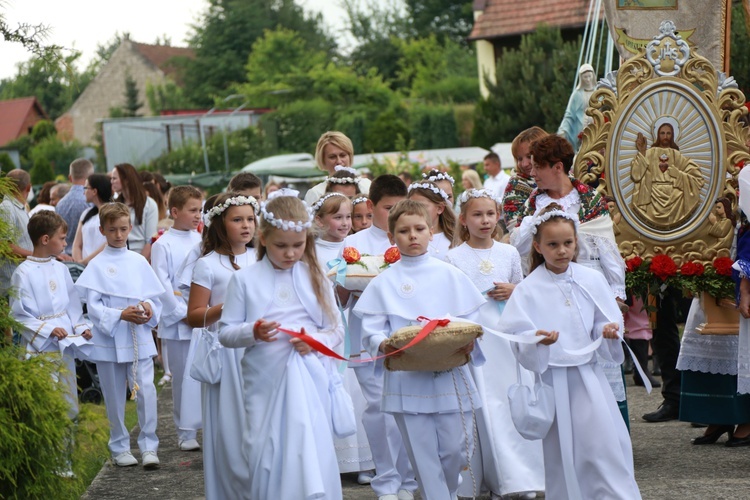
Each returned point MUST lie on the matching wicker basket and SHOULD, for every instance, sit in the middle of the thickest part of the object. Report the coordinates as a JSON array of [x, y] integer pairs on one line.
[[437, 352]]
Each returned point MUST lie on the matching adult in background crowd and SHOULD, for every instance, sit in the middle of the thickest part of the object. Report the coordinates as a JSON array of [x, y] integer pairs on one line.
[[333, 149], [89, 241], [13, 211], [144, 212], [521, 184], [43, 199], [57, 193], [72, 205], [496, 178]]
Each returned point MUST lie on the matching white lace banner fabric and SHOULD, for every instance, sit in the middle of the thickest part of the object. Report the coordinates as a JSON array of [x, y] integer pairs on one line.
[[717, 354]]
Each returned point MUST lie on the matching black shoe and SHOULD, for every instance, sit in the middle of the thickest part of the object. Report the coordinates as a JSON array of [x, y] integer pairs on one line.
[[734, 442], [714, 436], [665, 413]]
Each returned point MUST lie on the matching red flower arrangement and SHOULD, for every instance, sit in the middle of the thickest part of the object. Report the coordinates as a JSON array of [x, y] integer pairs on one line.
[[723, 266], [692, 269], [651, 277], [663, 267], [392, 255], [633, 263], [351, 255]]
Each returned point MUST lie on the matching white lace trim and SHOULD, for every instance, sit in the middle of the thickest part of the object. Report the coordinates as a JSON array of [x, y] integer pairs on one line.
[[706, 353], [567, 201]]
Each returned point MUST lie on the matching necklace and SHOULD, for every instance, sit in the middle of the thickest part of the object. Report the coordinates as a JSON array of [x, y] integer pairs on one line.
[[562, 291], [486, 266]]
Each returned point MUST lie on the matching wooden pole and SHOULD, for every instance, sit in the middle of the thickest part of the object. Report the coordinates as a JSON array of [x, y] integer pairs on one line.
[[728, 33]]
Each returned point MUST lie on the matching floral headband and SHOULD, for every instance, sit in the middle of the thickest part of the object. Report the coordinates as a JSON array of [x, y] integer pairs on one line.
[[285, 225], [478, 193], [537, 220], [357, 201], [441, 176], [235, 201], [429, 187], [344, 180], [321, 201]]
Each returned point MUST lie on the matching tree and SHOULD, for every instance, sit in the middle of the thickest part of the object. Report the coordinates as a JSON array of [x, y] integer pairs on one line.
[[740, 49], [533, 87], [132, 104], [447, 19], [224, 36]]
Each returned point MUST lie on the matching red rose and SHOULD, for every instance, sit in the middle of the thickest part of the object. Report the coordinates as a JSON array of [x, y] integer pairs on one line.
[[392, 255], [723, 266], [663, 266], [633, 264], [692, 269], [351, 255]]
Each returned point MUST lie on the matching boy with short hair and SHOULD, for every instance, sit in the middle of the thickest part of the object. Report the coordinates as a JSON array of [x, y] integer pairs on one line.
[[246, 184], [433, 410], [167, 255], [122, 294], [47, 304], [394, 478]]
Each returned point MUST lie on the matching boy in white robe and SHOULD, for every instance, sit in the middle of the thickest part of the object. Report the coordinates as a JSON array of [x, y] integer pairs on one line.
[[47, 306], [433, 410], [167, 255], [122, 295], [393, 475]]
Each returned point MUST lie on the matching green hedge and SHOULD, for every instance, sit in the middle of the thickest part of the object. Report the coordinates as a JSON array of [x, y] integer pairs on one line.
[[433, 127]]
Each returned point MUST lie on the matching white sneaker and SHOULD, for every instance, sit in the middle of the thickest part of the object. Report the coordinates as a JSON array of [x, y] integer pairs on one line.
[[405, 495], [167, 378], [388, 497], [125, 459], [190, 445], [365, 477], [150, 460]]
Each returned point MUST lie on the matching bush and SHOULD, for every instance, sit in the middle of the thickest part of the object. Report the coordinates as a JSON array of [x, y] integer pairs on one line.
[[42, 130], [387, 131], [297, 126], [6, 163], [41, 172], [433, 127], [56, 152]]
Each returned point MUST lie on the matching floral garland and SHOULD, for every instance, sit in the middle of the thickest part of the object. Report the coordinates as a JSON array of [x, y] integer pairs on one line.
[[429, 187], [235, 201], [643, 277], [319, 204], [344, 180], [548, 215], [358, 200], [440, 176], [283, 224], [478, 193]]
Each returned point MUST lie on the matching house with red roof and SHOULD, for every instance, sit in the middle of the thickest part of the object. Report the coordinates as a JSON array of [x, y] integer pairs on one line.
[[142, 62], [18, 117], [501, 23]]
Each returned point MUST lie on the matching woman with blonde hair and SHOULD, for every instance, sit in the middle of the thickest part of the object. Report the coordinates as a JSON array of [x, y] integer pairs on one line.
[[334, 149]]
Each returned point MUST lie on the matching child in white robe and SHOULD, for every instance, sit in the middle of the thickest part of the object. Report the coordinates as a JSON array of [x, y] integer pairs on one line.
[[288, 438], [122, 296], [167, 255], [230, 227], [438, 205], [587, 452], [433, 410], [393, 473], [48, 307], [361, 213], [510, 464]]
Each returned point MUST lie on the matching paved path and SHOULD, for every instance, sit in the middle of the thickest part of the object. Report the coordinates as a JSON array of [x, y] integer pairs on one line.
[[667, 465]]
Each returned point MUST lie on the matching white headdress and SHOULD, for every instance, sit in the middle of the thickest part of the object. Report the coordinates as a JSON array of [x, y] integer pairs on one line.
[[360, 199], [479, 193], [234, 201], [318, 204], [430, 187], [283, 224], [440, 176], [343, 180], [538, 219]]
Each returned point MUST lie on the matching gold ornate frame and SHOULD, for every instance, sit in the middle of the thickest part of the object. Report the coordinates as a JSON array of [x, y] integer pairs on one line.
[[666, 80]]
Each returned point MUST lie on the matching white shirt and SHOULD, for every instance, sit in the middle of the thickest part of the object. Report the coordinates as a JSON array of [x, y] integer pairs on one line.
[[497, 183]]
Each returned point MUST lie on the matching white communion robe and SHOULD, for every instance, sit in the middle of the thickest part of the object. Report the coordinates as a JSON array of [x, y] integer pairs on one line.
[[587, 452], [113, 280], [224, 465], [167, 255], [509, 463], [393, 471], [433, 410], [289, 438], [353, 452], [46, 299]]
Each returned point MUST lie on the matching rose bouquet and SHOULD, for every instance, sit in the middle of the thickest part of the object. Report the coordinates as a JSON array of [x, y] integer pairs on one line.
[[355, 271]]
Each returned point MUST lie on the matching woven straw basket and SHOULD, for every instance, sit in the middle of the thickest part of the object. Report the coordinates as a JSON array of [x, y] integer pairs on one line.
[[437, 352]]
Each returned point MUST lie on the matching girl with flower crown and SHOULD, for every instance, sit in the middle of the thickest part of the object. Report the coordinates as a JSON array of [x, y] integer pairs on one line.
[[442, 180], [510, 465], [438, 205], [587, 451], [288, 439], [229, 229], [345, 181], [362, 213]]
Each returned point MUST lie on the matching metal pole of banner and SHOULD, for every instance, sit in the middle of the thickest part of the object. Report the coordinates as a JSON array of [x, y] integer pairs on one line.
[[583, 45]]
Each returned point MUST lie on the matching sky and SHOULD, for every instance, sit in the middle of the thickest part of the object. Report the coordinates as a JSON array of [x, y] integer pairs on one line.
[[83, 24]]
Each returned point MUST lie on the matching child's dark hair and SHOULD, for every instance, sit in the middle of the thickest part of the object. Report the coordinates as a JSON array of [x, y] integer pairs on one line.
[[386, 185], [215, 238], [447, 219], [45, 222], [103, 187], [341, 177], [407, 207], [244, 181], [552, 148], [535, 258]]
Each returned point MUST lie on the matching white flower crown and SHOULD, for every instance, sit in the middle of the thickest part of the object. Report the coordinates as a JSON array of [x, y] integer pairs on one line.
[[538, 219], [430, 187], [478, 193], [340, 168], [342, 180], [283, 224], [318, 204], [442, 176], [235, 201], [357, 201]]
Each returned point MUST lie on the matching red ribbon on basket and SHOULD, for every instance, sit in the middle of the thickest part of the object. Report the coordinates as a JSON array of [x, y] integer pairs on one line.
[[322, 349]]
